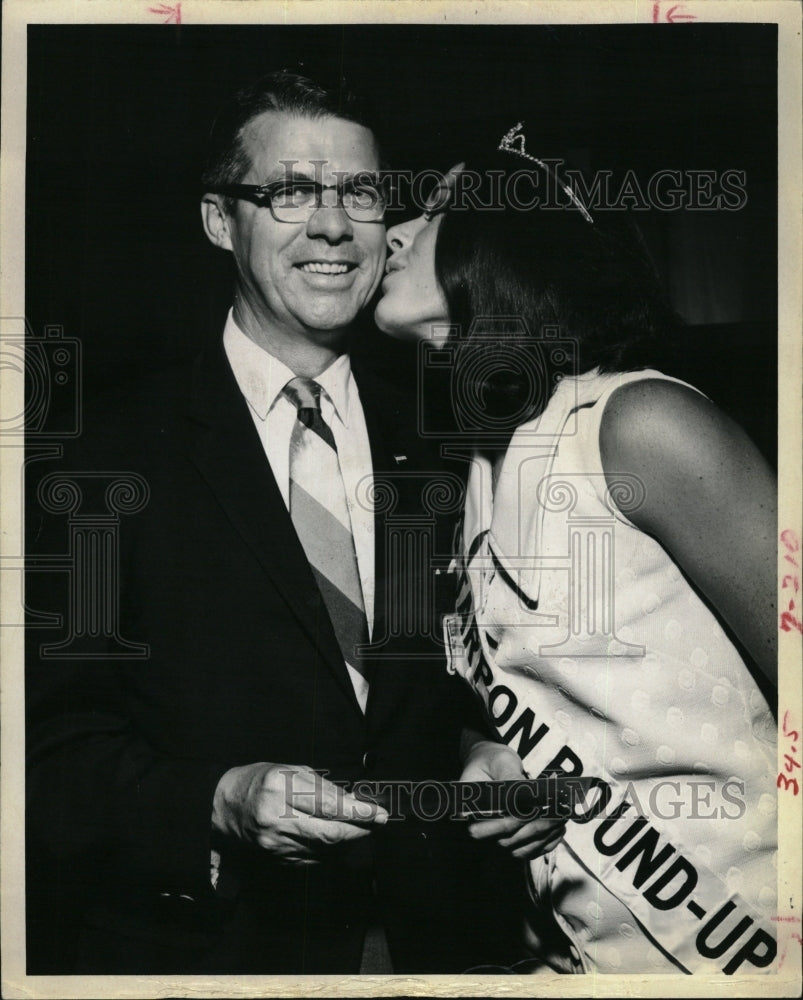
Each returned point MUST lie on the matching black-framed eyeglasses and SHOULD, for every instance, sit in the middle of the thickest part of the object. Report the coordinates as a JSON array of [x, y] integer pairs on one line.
[[361, 198]]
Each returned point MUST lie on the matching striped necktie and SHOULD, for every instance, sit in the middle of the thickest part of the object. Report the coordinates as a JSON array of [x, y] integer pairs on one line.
[[321, 518]]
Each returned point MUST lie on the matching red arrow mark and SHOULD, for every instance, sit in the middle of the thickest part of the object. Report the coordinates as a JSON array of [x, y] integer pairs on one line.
[[173, 14], [671, 16]]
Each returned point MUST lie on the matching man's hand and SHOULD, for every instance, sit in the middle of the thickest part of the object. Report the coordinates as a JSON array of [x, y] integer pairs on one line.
[[525, 839], [290, 811]]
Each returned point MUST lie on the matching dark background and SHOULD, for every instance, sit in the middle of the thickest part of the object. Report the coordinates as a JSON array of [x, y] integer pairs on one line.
[[117, 118]]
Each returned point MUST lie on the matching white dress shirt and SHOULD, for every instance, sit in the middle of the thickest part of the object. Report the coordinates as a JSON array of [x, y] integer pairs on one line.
[[261, 378]]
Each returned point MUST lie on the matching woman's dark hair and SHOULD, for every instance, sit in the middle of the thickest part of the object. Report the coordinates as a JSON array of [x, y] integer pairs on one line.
[[521, 275]]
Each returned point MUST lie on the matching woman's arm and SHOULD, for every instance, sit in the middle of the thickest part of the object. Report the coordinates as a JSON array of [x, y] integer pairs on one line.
[[710, 500]]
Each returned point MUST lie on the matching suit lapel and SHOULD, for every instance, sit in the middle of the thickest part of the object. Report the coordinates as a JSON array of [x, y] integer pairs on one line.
[[392, 451], [228, 453], [387, 458]]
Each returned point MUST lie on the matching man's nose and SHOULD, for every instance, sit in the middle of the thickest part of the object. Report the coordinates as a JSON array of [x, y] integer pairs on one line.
[[330, 222]]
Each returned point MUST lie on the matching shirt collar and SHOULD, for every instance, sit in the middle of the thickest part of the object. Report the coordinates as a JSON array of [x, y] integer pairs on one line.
[[338, 384], [262, 377]]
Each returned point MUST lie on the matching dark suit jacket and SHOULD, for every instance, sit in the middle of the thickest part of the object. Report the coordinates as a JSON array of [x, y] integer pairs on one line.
[[242, 666]]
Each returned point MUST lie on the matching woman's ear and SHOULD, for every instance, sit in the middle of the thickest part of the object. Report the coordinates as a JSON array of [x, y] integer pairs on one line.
[[216, 221]]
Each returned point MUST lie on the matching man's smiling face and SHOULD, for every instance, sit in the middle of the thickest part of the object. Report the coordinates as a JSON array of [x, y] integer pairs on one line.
[[305, 279]]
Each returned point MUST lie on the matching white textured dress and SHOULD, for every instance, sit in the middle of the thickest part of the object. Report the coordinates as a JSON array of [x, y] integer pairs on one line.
[[594, 655]]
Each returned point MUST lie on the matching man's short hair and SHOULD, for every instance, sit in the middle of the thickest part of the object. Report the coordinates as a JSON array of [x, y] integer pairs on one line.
[[226, 160]]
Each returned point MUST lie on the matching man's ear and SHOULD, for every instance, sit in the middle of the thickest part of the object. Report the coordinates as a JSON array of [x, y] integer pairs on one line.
[[216, 221]]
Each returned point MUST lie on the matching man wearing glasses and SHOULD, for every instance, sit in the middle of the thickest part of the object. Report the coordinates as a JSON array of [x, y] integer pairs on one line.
[[202, 791]]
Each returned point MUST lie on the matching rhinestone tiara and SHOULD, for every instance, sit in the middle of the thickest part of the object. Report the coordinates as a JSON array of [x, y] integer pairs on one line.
[[514, 141]]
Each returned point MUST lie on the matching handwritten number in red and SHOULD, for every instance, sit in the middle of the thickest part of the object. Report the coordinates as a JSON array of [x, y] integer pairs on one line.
[[793, 734], [790, 621], [790, 763]]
